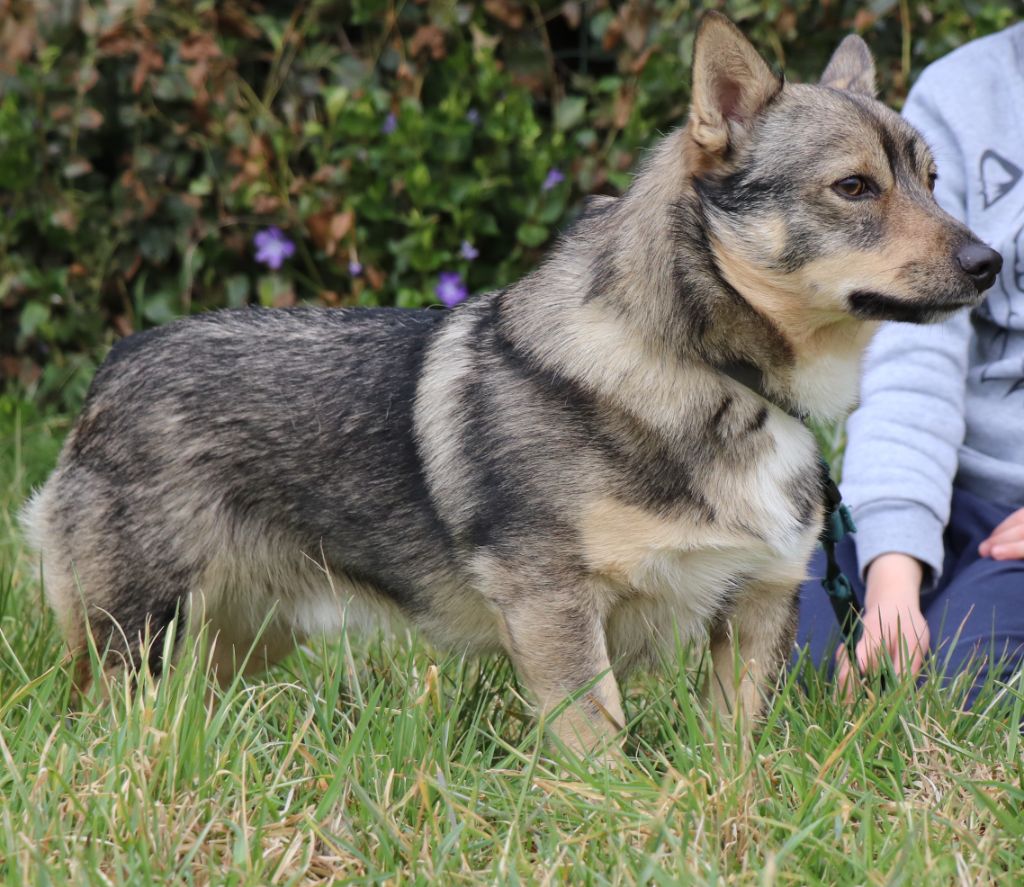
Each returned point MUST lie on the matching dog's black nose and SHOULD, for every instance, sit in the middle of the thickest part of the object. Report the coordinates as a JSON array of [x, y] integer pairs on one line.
[[979, 263]]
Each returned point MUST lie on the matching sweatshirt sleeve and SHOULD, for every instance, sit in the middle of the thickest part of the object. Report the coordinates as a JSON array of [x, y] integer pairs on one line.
[[904, 439]]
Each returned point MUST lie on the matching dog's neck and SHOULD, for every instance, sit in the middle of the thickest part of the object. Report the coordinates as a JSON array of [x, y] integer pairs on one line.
[[637, 285], [719, 310]]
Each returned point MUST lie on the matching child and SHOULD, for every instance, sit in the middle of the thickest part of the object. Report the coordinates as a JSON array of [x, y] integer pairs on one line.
[[934, 466]]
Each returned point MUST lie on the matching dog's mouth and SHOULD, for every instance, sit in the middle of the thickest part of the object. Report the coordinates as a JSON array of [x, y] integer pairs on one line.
[[870, 305]]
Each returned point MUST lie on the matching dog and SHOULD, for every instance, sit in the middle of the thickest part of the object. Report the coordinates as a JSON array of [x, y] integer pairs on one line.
[[563, 470]]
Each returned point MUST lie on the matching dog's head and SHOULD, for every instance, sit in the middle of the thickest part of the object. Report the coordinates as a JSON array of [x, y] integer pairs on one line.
[[818, 198]]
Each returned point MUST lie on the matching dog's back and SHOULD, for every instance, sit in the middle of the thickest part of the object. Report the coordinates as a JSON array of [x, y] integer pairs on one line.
[[237, 451]]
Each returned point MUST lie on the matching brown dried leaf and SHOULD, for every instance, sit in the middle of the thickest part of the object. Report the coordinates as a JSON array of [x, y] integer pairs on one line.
[[90, 118], [508, 12], [429, 37], [118, 41], [232, 18], [636, 16], [133, 268], [341, 224], [8, 366], [64, 218], [149, 60], [18, 37], [406, 73], [328, 228], [123, 325], [623, 107], [863, 20], [324, 174], [266, 204], [612, 35], [641, 61], [375, 276], [319, 227], [201, 47], [77, 167]]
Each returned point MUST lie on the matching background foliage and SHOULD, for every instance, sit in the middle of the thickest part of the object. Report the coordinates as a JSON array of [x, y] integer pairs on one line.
[[144, 144]]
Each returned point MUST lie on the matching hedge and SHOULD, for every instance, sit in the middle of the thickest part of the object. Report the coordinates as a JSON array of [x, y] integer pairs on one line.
[[160, 158]]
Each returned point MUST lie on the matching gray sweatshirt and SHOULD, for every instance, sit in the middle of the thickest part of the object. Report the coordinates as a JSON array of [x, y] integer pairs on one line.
[[944, 405]]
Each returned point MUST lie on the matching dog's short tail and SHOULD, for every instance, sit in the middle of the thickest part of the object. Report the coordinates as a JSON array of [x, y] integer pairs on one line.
[[34, 518]]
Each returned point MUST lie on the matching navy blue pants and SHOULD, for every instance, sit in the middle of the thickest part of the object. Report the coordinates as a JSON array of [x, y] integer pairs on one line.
[[975, 614]]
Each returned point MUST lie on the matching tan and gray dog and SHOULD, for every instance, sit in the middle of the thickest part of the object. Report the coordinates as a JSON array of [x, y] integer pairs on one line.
[[559, 470]]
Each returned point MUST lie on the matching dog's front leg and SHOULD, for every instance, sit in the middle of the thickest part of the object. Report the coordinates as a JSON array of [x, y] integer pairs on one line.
[[559, 650], [749, 650]]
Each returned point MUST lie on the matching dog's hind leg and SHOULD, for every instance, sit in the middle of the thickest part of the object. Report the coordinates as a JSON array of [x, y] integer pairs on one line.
[[108, 584], [749, 650]]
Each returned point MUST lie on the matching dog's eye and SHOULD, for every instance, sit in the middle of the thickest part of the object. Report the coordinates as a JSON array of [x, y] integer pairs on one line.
[[932, 176], [853, 187]]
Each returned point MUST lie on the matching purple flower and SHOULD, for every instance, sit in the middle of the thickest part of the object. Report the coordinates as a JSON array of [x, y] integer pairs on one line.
[[390, 124], [468, 251], [355, 268], [473, 116], [272, 247], [555, 177], [450, 289]]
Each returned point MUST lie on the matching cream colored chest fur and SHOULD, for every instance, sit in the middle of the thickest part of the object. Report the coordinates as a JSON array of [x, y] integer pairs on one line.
[[688, 570]]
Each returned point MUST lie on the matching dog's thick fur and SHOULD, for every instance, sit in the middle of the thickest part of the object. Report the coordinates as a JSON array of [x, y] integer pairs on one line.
[[558, 469]]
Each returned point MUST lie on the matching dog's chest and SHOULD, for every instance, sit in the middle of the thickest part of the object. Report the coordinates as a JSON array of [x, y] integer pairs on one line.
[[761, 530]]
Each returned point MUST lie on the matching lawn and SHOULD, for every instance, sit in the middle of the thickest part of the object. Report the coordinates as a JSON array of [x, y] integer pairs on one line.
[[372, 761]]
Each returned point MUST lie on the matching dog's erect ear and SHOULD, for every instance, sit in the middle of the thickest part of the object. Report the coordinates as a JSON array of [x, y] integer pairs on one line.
[[851, 68], [731, 84]]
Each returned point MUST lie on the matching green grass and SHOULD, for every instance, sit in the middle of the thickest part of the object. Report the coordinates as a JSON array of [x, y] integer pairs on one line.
[[370, 761]]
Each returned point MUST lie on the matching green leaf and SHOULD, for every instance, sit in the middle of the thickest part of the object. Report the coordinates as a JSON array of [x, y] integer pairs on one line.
[[159, 308], [570, 112], [530, 234], [33, 316], [237, 290], [201, 186]]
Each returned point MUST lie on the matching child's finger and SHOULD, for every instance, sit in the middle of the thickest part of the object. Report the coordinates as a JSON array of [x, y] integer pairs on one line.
[[1008, 534], [867, 652], [1007, 551], [1014, 522], [844, 677]]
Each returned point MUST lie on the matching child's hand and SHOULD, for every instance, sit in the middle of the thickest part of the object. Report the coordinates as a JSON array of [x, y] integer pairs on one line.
[[894, 625], [1007, 540]]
